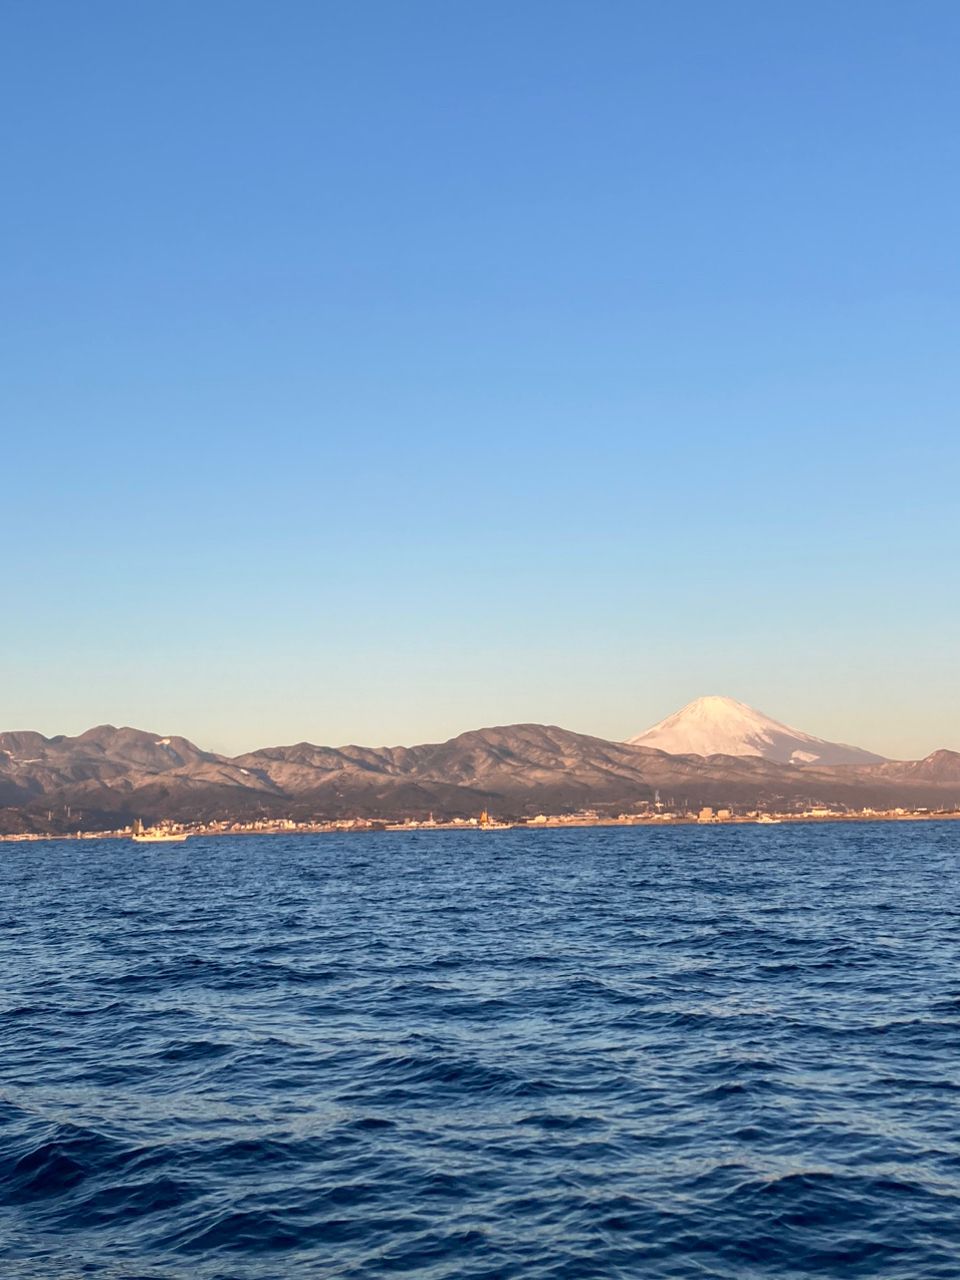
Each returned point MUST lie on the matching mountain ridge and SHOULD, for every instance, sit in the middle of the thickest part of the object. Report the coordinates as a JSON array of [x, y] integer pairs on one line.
[[106, 776]]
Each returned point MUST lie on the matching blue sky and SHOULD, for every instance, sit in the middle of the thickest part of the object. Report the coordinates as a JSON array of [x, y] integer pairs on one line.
[[375, 371]]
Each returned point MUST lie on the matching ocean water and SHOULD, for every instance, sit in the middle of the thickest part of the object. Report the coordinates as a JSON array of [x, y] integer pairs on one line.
[[729, 1052]]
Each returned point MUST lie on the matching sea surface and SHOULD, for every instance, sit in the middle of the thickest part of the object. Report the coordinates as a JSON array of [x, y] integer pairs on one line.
[[729, 1052]]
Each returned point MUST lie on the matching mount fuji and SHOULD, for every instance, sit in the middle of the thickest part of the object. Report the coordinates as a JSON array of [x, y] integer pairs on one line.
[[722, 726]]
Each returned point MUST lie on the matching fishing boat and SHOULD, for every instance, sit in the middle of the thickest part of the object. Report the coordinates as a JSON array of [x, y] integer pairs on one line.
[[155, 835], [486, 823]]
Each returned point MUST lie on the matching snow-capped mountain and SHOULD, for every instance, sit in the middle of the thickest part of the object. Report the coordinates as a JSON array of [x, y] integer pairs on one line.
[[722, 726]]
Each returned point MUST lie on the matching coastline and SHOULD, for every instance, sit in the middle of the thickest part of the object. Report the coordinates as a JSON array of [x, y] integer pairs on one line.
[[368, 827]]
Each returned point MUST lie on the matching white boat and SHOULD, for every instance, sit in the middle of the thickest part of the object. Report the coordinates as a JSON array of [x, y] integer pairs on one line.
[[486, 823], [155, 835]]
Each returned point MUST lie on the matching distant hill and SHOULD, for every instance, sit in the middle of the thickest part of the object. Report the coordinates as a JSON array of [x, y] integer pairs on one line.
[[108, 776], [722, 726]]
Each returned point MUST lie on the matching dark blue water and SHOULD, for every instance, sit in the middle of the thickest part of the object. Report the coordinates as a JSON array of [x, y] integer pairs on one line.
[[696, 1053]]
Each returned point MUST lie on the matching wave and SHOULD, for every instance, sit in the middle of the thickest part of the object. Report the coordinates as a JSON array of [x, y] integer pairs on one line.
[[607, 1055]]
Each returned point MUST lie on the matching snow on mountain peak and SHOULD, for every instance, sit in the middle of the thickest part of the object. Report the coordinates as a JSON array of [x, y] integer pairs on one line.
[[716, 725]]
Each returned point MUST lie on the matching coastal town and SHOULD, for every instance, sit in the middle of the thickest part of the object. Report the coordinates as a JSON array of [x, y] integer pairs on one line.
[[646, 815]]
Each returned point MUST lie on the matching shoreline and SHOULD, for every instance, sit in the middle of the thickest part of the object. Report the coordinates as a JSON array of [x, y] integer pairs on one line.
[[373, 827]]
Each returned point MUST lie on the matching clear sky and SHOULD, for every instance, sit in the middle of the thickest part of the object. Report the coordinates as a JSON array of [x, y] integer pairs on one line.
[[373, 371]]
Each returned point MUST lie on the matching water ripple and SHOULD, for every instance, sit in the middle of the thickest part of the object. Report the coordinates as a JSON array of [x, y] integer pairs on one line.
[[723, 1054]]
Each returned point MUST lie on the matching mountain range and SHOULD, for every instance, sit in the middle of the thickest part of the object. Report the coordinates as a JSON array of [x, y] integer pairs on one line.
[[108, 776]]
